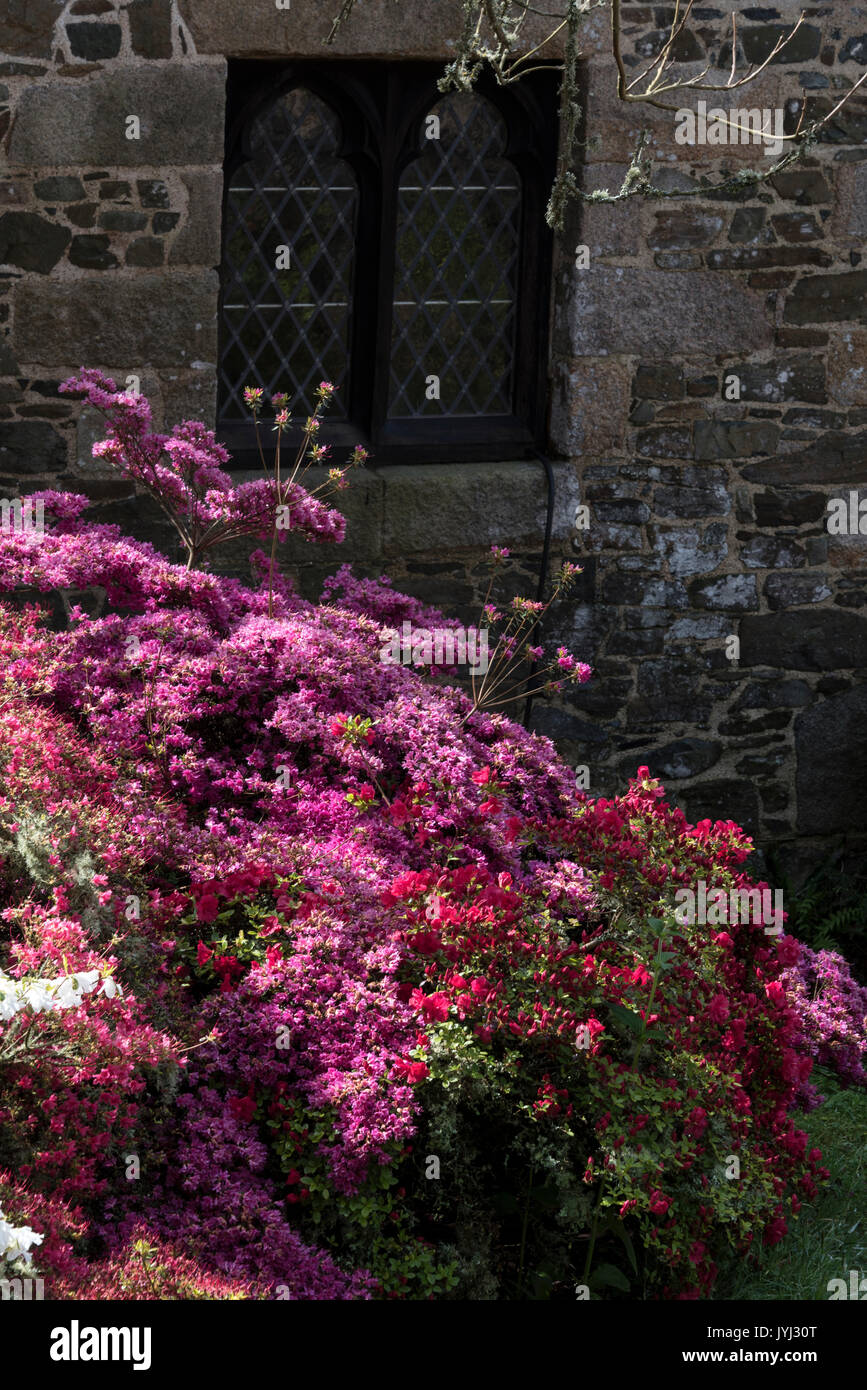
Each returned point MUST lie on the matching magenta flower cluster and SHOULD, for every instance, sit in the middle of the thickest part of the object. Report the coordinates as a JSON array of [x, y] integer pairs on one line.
[[312, 873], [185, 473], [831, 1008]]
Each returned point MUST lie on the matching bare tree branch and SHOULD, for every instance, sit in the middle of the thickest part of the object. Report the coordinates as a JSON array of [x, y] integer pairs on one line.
[[656, 87], [501, 52]]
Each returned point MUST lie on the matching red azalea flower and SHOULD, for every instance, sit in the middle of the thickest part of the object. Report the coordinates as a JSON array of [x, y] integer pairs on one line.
[[242, 1107], [696, 1122], [788, 950], [203, 955], [207, 907], [413, 1072], [434, 1007], [738, 1031], [512, 830], [775, 1231], [718, 1009], [229, 970], [426, 942]]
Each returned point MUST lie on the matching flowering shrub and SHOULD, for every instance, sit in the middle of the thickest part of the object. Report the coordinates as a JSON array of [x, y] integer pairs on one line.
[[49, 1236], [831, 1009], [147, 1268], [72, 1075], [635, 1062], [184, 471], [374, 1003]]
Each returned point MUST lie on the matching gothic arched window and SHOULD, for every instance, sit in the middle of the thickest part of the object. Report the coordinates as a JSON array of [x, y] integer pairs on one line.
[[456, 267], [289, 252], [391, 239]]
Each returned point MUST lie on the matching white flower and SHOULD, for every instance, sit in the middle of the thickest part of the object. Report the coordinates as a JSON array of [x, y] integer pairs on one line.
[[37, 996], [15, 1242], [70, 991], [44, 996], [10, 998]]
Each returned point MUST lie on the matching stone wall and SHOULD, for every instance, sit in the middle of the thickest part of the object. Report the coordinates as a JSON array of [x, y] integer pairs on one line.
[[707, 516]]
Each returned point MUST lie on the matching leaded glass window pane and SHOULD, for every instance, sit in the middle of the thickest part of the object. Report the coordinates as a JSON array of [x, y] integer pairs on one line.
[[456, 268], [288, 328]]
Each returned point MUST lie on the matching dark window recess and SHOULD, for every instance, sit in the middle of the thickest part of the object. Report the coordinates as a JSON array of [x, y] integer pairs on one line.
[[456, 269], [415, 269], [286, 313]]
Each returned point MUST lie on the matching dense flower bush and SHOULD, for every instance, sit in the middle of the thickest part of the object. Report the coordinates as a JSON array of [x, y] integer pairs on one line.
[[831, 1009], [374, 1003], [185, 471]]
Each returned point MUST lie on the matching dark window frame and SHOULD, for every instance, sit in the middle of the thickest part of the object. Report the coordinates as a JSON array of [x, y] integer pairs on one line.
[[380, 106]]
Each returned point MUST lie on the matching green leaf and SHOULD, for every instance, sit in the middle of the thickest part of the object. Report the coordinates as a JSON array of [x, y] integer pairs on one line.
[[542, 1284], [617, 1228], [628, 1017], [609, 1276]]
